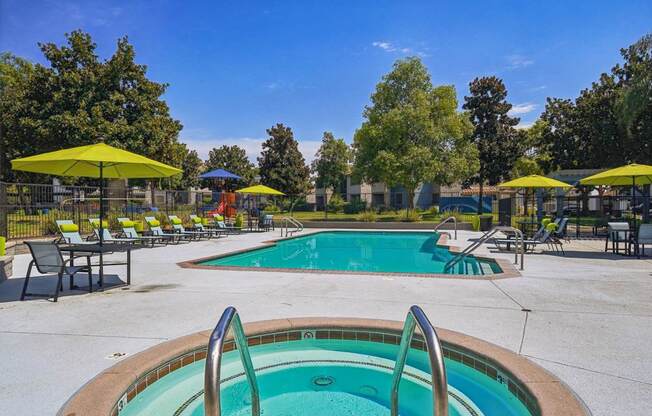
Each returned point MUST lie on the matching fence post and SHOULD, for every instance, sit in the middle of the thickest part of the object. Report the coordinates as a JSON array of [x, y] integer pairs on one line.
[[577, 214], [4, 228]]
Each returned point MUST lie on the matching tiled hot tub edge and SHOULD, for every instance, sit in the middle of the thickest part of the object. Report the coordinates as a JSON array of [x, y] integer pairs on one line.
[[541, 392]]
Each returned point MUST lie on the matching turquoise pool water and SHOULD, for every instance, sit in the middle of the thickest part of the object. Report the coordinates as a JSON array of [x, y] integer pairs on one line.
[[326, 378], [363, 251]]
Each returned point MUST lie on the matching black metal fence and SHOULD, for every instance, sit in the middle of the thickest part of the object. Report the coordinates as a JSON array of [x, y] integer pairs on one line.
[[30, 210]]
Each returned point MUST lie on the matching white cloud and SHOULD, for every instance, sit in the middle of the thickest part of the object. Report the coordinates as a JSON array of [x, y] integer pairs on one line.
[[253, 146], [539, 88], [391, 47], [525, 125], [272, 86], [522, 108], [517, 61]]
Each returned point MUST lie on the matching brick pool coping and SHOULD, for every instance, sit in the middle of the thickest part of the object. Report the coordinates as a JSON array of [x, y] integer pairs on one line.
[[541, 392], [508, 269]]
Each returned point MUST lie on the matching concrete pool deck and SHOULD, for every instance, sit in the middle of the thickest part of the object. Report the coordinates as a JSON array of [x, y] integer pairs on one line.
[[590, 321]]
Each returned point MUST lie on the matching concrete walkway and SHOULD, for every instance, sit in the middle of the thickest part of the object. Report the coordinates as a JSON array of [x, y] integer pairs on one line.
[[589, 319]]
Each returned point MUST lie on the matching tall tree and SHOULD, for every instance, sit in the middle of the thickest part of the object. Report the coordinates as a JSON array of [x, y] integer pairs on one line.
[[281, 164], [234, 159], [412, 132], [79, 98], [331, 164], [192, 166], [494, 131]]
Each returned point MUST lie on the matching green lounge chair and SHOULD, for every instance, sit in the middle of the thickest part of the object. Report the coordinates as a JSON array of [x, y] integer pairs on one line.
[[155, 227], [107, 237], [219, 222], [178, 227], [198, 225], [70, 233], [129, 231]]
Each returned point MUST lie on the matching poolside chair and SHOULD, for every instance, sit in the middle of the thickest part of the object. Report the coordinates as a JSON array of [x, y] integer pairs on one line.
[[70, 233], [643, 237], [177, 225], [155, 228], [267, 222], [47, 258], [546, 238], [617, 232], [129, 231], [561, 229], [107, 237], [230, 229], [198, 225]]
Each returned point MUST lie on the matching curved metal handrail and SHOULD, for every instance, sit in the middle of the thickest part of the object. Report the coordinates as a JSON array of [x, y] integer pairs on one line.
[[448, 220], [486, 236], [212, 405], [415, 317], [284, 224]]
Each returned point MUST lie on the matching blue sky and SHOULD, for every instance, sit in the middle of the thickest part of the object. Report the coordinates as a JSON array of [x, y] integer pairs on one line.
[[236, 68]]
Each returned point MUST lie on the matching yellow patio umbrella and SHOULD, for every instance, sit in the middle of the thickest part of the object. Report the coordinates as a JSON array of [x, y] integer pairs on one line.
[[259, 190], [534, 181], [627, 175], [95, 161]]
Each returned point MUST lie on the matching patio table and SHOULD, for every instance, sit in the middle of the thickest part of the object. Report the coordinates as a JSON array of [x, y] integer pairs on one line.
[[528, 227], [101, 250]]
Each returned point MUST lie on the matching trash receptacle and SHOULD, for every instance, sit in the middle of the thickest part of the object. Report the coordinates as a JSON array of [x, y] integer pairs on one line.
[[486, 222]]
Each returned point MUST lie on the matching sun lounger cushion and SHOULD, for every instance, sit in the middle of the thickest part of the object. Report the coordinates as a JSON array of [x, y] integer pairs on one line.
[[196, 220], [128, 224], [545, 222], [175, 221], [69, 228], [96, 223], [154, 223], [552, 227], [219, 217]]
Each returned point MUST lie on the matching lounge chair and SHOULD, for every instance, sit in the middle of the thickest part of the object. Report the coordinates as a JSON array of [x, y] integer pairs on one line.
[[47, 258], [70, 233], [155, 228], [546, 238], [617, 232], [198, 225], [129, 231], [178, 227], [107, 237], [643, 237], [219, 223]]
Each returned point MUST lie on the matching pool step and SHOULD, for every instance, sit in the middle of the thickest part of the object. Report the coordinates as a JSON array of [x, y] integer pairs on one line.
[[486, 268]]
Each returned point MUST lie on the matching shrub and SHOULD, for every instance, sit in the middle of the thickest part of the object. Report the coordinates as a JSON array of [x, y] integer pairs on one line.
[[355, 207], [367, 216], [433, 210], [454, 213], [271, 208], [335, 203], [410, 215], [239, 220]]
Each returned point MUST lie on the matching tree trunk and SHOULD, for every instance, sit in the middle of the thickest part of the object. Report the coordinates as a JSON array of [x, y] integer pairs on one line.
[[481, 183], [410, 195]]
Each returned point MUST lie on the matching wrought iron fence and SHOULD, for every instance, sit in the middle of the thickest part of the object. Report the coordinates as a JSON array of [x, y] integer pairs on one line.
[[30, 210]]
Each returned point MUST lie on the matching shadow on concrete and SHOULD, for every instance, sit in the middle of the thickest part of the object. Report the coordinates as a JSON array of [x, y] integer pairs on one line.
[[10, 289]]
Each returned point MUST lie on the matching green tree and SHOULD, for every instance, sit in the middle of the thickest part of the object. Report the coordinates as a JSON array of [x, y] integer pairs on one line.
[[78, 98], [494, 131], [412, 132], [14, 74], [331, 164], [234, 159], [281, 164], [192, 166]]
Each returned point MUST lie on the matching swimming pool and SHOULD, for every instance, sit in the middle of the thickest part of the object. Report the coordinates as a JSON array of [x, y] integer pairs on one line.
[[324, 377], [357, 251]]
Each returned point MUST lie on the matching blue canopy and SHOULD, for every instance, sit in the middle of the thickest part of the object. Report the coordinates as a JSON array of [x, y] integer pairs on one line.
[[219, 174]]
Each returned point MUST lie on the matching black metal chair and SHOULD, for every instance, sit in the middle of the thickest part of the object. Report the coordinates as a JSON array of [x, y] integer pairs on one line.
[[47, 258]]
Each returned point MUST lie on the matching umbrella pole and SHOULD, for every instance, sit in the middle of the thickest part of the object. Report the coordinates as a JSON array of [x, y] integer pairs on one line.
[[101, 202], [634, 200]]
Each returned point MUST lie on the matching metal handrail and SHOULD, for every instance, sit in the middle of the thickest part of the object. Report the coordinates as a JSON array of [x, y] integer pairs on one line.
[[284, 224], [448, 220], [212, 405], [415, 317], [486, 236]]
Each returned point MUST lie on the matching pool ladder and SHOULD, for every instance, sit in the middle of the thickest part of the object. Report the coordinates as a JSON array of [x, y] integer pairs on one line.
[[285, 225], [447, 220], [461, 257], [415, 317]]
